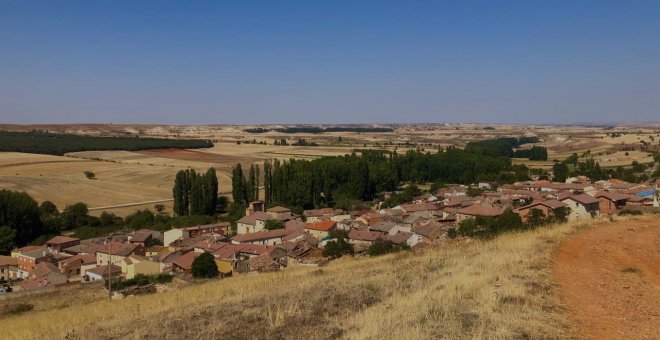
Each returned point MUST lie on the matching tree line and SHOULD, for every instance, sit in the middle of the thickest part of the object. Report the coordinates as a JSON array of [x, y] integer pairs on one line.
[[329, 180], [195, 193], [245, 189], [504, 147], [58, 144]]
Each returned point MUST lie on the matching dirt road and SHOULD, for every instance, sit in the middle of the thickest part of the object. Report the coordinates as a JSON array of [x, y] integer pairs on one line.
[[609, 279]]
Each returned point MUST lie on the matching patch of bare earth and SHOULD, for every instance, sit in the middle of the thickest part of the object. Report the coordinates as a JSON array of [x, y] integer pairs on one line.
[[609, 280]]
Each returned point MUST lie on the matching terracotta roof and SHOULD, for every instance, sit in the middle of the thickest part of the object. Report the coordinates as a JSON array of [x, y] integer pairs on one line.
[[252, 218], [427, 230], [612, 196], [582, 199], [278, 209], [319, 212], [141, 237], [61, 240], [44, 269], [400, 237], [227, 251], [383, 226], [83, 258], [36, 254], [103, 270], [186, 260], [118, 248], [89, 248], [208, 226], [418, 207], [324, 225], [30, 248], [262, 235], [480, 210], [552, 204], [253, 249], [361, 235], [294, 224], [8, 261]]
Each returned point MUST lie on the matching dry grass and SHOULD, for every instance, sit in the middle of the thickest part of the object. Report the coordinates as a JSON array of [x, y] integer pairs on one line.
[[496, 289]]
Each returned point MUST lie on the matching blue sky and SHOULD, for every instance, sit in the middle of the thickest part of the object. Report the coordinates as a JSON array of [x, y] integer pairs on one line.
[[217, 62]]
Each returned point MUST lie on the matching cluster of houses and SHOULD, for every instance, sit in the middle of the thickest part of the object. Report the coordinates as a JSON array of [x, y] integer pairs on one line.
[[256, 246]]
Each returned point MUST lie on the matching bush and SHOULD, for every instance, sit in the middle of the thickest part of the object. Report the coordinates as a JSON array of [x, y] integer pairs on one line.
[[339, 247], [204, 266], [451, 233], [274, 224], [382, 247], [140, 280], [90, 174]]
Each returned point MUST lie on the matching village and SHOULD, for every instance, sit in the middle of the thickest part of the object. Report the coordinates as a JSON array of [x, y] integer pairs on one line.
[[273, 238]]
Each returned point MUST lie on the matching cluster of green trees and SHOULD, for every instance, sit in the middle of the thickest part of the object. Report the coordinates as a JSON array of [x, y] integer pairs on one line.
[[204, 266], [339, 246], [195, 194], [572, 166], [59, 144], [23, 221], [304, 142], [499, 147], [382, 247], [486, 227], [245, 190], [20, 220], [536, 153], [139, 280], [327, 180]]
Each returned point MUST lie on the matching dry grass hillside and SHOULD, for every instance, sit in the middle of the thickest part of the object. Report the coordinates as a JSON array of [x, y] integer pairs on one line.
[[501, 288]]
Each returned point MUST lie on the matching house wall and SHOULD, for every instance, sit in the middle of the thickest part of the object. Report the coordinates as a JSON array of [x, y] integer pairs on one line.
[[242, 228], [102, 259], [224, 266], [580, 211], [317, 233], [172, 235], [145, 268]]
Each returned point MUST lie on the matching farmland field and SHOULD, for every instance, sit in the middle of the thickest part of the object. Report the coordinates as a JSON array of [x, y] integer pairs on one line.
[[127, 178]]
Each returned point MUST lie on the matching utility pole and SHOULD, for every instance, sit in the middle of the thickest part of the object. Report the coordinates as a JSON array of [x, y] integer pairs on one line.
[[109, 266]]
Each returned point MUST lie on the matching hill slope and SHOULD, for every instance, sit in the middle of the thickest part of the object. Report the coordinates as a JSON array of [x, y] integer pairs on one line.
[[501, 288]]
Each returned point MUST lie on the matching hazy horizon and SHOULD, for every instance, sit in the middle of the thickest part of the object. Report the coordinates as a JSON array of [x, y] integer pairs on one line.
[[374, 62]]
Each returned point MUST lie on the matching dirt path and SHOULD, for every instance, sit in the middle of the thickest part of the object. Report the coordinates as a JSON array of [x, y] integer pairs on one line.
[[609, 280]]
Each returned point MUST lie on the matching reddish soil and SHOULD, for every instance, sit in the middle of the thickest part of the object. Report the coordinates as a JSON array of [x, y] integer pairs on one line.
[[192, 155], [609, 280]]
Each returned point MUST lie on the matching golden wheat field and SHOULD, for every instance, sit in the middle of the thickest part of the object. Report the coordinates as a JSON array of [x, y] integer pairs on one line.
[[502, 288]]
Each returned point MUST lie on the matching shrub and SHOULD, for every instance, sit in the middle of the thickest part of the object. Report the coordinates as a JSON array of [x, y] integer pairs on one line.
[[274, 224], [382, 247], [90, 174], [204, 266]]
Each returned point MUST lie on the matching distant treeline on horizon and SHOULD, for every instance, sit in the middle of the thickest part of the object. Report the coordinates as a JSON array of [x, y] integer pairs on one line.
[[42, 142], [312, 129]]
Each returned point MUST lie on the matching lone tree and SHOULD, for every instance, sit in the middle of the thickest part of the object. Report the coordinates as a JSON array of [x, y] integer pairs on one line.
[[204, 266]]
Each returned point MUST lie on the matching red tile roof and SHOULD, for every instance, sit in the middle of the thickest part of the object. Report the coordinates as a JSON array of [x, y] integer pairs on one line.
[[480, 210], [262, 235], [57, 240], [8, 261], [252, 218], [582, 199], [324, 225], [361, 235], [186, 260], [552, 204]]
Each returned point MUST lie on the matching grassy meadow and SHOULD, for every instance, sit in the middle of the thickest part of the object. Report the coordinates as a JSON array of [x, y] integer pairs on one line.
[[500, 288]]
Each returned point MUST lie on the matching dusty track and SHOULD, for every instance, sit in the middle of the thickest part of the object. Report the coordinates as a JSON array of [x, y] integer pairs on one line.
[[609, 279]]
